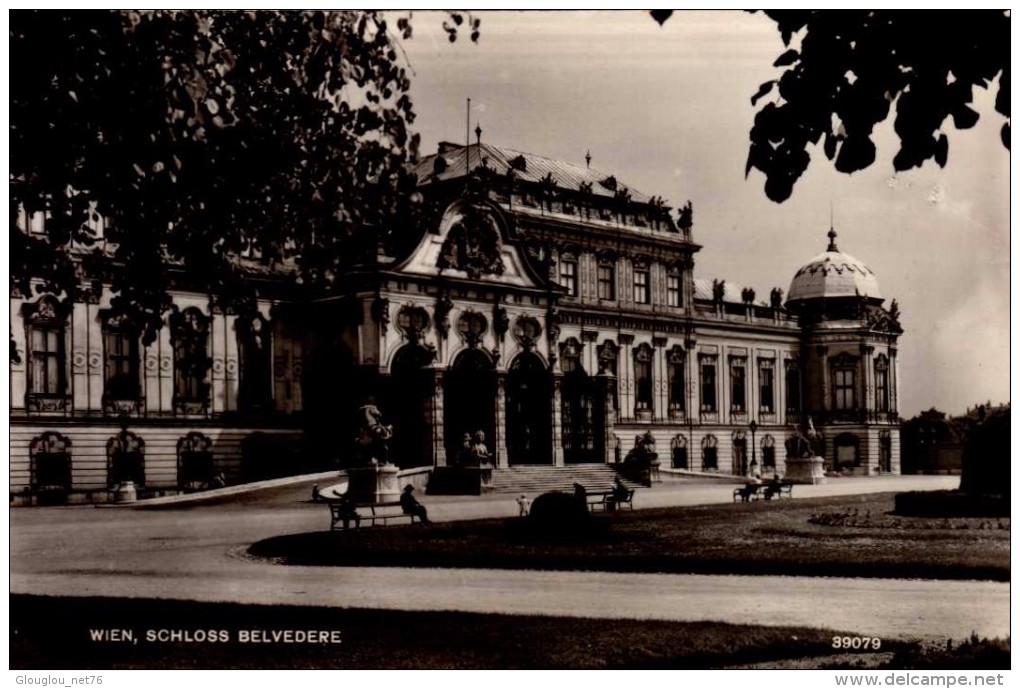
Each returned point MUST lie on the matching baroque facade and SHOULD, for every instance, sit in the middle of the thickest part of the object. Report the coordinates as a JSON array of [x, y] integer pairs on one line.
[[551, 307]]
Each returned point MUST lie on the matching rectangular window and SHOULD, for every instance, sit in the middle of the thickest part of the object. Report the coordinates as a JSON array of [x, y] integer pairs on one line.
[[766, 395], [643, 384], [882, 389], [792, 390], [568, 276], [607, 283], [641, 295], [844, 384], [708, 403], [672, 290], [47, 360], [738, 385], [677, 393], [121, 365]]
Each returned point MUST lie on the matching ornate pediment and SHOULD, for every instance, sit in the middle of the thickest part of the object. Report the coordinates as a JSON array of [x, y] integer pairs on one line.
[[473, 244]]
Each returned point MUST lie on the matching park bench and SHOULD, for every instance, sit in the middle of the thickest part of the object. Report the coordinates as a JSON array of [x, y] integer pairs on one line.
[[606, 500], [371, 513], [749, 492], [778, 491]]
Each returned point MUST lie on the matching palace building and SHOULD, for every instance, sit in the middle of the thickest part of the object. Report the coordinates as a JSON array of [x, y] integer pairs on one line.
[[551, 307]]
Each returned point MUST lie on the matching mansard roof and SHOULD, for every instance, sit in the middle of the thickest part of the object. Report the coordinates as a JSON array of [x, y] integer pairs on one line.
[[458, 159]]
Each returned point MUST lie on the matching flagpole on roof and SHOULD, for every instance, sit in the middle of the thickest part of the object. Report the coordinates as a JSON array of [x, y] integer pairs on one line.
[[467, 140]]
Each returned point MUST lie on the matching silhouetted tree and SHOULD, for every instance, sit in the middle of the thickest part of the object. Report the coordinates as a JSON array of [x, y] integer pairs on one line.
[[844, 71], [202, 135]]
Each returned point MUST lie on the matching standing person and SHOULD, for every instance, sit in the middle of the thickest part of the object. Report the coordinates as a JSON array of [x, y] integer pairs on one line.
[[409, 505], [523, 505]]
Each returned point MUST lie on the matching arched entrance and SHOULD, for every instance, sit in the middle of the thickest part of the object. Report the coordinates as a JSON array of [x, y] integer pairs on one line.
[[582, 410], [528, 411], [408, 407], [469, 401]]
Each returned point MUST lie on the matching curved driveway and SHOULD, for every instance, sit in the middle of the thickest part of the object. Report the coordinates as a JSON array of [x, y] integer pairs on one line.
[[197, 553]]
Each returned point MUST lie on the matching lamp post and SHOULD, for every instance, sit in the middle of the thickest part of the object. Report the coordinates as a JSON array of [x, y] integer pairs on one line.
[[754, 449]]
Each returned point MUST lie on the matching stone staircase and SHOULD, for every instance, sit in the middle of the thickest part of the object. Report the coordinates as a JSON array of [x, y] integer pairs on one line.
[[541, 479]]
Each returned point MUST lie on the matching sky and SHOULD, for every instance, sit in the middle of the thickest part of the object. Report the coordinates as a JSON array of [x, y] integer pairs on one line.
[[667, 110]]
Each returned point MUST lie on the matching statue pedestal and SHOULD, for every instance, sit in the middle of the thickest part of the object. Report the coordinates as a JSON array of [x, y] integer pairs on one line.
[[809, 470], [373, 484], [125, 492]]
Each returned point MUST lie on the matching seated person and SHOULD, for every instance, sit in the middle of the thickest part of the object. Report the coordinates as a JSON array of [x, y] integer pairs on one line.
[[580, 493], [774, 487], [620, 493], [348, 512], [409, 505]]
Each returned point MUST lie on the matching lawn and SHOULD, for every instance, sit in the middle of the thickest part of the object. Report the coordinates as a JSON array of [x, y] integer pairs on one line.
[[854, 536]]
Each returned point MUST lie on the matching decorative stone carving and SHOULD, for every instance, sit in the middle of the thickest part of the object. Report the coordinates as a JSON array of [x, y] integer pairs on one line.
[[78, 361], [526, 332], [553, 321], [442, 311], [500, 320], [413, 322], [473, 245], [472, 326], [381, 312]]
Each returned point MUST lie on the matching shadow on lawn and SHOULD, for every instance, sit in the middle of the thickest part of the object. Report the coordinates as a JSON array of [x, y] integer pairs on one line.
[[769, 539]]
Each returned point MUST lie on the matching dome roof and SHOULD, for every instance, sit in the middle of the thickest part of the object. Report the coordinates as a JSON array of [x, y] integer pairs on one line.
[[833, 274]]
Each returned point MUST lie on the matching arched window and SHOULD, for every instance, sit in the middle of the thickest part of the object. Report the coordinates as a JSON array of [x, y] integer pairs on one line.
[[740, 453], [122, 374], [678, 451], [677, 362], [768, 452], [885, 451], [844, 383], [882, 383], [125, 459], [50, 459], [45, 325], [792, 387], [709, 453], [738, 384], [189, 331], [643, 400], [766, 386], [707, 365], [255, 350], [195, 468]]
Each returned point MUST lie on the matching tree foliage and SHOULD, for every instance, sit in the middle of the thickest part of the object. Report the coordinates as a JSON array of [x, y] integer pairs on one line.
[[843, 72], [200, 135]]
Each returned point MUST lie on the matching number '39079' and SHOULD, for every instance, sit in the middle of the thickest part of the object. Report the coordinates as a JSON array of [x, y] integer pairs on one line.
[[856, 643]]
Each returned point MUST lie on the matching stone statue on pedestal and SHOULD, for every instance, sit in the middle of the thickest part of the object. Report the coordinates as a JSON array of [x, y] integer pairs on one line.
[[374, 435]]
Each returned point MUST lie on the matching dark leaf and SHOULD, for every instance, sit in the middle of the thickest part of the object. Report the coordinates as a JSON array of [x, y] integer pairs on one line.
[[1003, 96], [762, 91], [964, 117], [942, 150], [786, 59], [661, 15], [856, 153]]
